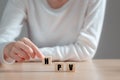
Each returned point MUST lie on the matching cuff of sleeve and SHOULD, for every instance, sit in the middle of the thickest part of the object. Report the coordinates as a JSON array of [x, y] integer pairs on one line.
[[9, 60], [49, 52]]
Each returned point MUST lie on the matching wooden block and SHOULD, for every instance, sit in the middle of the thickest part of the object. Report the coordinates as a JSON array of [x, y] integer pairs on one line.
[[70, 66], [47, 60], [59, 66]]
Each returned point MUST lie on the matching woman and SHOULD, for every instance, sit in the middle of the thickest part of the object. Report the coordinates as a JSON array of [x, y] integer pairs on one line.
[[63, 29]]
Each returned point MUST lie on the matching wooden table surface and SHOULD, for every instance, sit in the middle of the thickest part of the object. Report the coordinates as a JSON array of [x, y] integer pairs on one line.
[[92, 70]]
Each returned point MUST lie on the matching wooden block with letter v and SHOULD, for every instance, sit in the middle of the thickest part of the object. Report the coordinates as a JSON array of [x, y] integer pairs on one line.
[[70, 66]]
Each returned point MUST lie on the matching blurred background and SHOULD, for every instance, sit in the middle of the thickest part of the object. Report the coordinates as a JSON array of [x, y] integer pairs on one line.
[[109, 46]]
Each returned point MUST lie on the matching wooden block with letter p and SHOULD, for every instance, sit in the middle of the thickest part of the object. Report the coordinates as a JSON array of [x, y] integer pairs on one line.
[[70, 66], [59, 66], [47, 60]]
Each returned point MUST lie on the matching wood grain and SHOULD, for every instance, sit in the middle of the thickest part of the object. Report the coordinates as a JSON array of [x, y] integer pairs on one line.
[[92, 70]]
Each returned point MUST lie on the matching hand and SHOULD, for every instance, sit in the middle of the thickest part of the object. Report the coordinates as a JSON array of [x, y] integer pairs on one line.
[[22, 50]]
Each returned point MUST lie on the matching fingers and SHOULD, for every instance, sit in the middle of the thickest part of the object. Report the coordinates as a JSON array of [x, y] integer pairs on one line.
[[18, 55], [33, 46], [22, 50], [21, 54], [15, 57], [22, 46]]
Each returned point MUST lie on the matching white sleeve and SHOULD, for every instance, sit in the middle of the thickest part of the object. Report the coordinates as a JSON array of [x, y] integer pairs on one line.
[[86, 45], [11, 24]]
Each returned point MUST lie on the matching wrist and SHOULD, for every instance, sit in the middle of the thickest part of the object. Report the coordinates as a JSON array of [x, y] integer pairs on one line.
[[7, 58], [6, 52]]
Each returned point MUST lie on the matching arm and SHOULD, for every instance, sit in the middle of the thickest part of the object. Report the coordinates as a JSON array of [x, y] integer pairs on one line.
[[11, 24], [87, 42]]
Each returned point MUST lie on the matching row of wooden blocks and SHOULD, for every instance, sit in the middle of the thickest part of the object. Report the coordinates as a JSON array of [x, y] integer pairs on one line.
[[60, 66]]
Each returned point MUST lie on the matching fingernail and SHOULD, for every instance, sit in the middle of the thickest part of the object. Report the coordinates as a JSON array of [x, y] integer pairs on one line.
[[32, 55], [28, 58]]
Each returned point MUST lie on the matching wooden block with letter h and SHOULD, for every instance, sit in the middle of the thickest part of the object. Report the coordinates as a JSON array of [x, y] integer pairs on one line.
[[60, 66], [47, 60]]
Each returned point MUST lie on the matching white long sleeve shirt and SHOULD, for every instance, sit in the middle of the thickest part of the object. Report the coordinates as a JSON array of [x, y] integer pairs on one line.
[[71, 32]]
